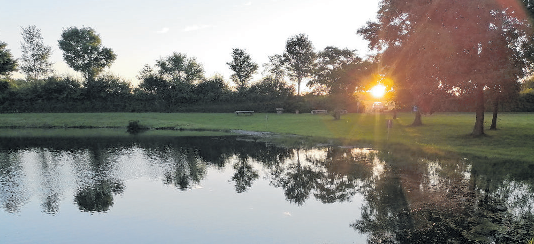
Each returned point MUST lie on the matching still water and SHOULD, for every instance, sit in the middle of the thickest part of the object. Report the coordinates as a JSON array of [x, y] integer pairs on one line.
[[235, 189]]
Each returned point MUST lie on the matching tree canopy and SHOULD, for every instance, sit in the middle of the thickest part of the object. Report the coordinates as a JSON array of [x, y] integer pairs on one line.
[[179, 68], [299, 58], [243, 68], [83, 51], [428, 46], [35, 54], [7, 63]]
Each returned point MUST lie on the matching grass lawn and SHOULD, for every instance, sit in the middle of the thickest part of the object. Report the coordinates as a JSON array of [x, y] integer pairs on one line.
[[441, 133]]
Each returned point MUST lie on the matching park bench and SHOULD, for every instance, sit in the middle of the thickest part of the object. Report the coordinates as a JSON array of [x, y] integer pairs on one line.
[[319, 111], [279, 110], [244, 112]]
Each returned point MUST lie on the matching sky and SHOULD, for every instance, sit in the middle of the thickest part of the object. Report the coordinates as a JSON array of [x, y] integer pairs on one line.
[[141, 32]]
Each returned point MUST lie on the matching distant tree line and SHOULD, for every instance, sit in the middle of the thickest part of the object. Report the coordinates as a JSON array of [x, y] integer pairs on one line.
[[177, 83]]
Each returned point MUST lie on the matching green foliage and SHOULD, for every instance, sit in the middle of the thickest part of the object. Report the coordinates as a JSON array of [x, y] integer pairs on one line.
[[35, 54], [83, 51], [153, 83], [107, 86], [7, 63], [243, 68], [339, 73], [212, 90], [269, 89], [176, 68], [331, 67]]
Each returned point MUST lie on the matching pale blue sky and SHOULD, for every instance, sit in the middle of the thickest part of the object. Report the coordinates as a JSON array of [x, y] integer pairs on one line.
[[141, 32]]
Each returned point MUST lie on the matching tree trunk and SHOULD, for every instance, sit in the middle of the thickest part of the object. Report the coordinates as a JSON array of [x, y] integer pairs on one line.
[[417, 121], [478, 130], [299, 80], [495, 111]]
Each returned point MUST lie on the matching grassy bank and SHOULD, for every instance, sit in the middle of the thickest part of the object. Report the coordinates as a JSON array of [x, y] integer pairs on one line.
[[442, 133]]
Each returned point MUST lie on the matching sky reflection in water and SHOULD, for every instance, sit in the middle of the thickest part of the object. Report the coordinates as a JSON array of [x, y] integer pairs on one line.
[[223, 191], [237, 190]]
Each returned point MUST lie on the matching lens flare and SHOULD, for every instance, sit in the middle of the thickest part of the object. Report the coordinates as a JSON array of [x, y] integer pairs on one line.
[[378, 91]]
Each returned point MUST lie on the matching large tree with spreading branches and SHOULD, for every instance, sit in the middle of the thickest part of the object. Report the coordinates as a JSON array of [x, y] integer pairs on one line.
[[462, 46]]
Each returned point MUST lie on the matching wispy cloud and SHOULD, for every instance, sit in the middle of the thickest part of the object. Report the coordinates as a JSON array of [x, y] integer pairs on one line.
[[163, 30], [196, 27], [248, 3]]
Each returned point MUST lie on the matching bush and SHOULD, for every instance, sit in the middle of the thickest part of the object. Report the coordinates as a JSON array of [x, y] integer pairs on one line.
[[134, 127]]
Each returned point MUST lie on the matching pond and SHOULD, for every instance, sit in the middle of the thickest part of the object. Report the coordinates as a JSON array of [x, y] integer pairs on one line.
[[239, 189]]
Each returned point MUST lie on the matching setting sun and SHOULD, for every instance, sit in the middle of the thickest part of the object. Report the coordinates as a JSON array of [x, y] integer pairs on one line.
[[378, 91]]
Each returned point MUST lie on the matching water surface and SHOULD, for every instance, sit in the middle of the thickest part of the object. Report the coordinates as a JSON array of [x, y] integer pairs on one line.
[[235, 189]]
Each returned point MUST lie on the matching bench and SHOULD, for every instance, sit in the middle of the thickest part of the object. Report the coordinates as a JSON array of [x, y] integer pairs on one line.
[[319, 111], [244, 112]]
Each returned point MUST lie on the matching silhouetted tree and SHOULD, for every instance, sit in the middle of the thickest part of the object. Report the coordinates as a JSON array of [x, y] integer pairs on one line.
[[338, 72], [423, 45], [179, 68], [243, 68], [299, 58], [83, 51], [211, 90]]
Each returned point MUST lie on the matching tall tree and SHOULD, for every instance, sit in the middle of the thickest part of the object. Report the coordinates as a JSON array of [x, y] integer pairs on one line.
[[431, 45], [299, 58], [243, 68], [35, 54], [83, 51], [7, 63]]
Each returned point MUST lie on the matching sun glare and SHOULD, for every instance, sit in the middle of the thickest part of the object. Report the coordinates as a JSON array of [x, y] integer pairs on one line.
[[378, 91]]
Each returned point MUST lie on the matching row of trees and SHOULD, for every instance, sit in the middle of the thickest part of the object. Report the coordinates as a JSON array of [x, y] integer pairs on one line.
[[178, 80], [445, 53]]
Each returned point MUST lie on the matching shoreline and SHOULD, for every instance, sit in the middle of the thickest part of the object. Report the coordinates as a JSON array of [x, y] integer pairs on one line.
[[442, 133]]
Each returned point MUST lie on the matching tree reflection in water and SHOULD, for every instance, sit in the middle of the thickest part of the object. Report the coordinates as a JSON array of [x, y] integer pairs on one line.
[[332, 175], [442, 201], [96, 192], [244, 175], [98, 197], [13, 193], [408, 198], [185, 168]]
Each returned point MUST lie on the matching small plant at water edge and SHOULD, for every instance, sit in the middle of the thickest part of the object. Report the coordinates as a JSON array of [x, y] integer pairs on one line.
[[134, 127]]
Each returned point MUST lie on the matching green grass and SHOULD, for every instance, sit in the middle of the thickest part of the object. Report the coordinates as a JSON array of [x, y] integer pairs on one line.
[[441, 133]]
